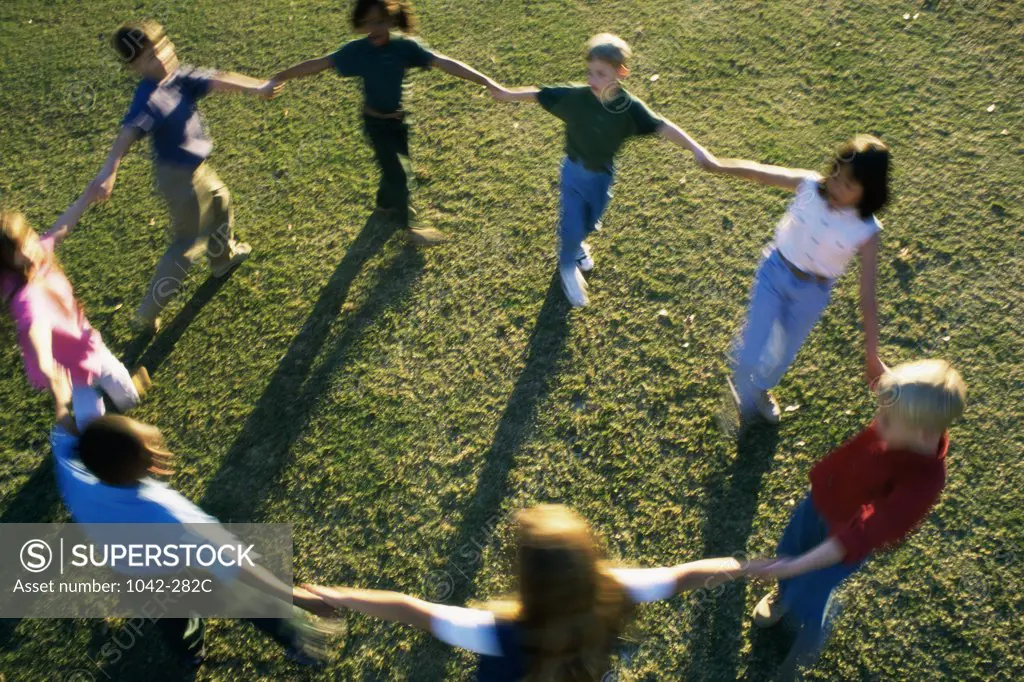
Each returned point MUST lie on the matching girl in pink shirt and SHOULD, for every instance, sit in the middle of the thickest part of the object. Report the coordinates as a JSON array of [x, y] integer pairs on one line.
[[62, 352]]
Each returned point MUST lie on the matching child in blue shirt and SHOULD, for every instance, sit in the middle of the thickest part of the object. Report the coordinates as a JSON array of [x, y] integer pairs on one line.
[[165, 107], [104, 476]]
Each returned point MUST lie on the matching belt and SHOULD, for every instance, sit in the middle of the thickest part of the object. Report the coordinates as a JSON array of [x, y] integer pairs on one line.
[[800, 274], [393, 116]]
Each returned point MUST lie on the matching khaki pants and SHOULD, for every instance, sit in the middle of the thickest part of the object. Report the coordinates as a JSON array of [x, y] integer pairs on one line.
[[201, 220]]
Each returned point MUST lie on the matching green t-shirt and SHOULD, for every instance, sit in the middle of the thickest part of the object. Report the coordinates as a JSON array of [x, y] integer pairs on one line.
[[595, 130], [381, 68]]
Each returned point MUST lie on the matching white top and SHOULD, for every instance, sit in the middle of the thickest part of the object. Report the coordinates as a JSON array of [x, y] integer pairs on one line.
[[475, 630], [817, 238]]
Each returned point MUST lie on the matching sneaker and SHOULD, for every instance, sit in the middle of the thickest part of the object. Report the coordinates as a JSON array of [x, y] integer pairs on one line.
[[769, 611], [768, 407], [242, 252], [143, 325], [426, 236], [574, 286], [583, 259], [141, 381]]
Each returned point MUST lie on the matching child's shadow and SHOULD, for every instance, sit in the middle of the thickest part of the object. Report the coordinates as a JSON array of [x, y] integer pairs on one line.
[[716, 634]]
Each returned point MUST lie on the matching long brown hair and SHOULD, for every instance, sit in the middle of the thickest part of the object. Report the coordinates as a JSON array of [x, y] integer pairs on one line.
[[400, 12], [569, 608]]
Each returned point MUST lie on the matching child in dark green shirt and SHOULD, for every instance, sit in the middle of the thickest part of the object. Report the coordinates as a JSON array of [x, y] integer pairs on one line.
[[599, 117], [381, 60]]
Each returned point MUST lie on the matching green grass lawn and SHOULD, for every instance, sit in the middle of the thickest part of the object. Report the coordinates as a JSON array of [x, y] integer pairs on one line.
[[398, 406]]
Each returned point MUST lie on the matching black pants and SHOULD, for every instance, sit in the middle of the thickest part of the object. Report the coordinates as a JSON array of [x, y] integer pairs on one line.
[[187, 635], [390, 141]]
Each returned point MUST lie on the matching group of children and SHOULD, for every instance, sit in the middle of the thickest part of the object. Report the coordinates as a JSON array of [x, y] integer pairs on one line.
[[571, 604]]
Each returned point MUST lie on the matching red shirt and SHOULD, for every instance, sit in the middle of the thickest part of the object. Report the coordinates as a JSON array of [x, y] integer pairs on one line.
[[871, 496]]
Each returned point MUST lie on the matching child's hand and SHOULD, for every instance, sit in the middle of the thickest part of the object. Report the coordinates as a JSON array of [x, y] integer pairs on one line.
[[270, 89], [332, 596], [101, 187], [313, 603]]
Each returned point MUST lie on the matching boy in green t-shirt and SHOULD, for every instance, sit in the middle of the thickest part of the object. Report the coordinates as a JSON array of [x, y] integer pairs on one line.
[[381, 60], [599, 117]]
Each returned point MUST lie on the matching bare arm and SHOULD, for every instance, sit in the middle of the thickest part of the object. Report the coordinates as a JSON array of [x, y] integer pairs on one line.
[[828, 553], [102, 186], [226, 81], [869, 308], [463, 71], [40, 336], [267, 583], [391, 606], [707, 573], [304, 69], [62, 228], [524, 94], [673, 133], [776, 176]]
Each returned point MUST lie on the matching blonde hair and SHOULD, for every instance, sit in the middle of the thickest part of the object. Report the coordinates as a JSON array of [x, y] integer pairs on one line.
[[570, 608], [609, 48], [926, 394]]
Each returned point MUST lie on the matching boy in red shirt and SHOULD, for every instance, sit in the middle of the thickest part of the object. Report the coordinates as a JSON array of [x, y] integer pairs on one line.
[[867, 495]]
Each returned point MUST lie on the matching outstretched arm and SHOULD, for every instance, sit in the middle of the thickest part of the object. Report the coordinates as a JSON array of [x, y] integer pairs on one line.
[[102, 186], [460, 70], [62, 228], [304, 69], [673, 133], [828, 553], [391, 606], [226, 81], [523, 94], [776, 176]]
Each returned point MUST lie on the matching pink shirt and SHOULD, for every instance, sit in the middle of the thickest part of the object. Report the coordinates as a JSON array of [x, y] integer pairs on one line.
[[49, 297]]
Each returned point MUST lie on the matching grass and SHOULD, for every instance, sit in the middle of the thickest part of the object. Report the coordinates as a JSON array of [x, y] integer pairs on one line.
[[397, 406]]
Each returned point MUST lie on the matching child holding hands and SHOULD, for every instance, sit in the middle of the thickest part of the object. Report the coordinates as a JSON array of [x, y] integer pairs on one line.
[[62, 352], [599, 117], [866, 496], [381, 60], [165, 107]]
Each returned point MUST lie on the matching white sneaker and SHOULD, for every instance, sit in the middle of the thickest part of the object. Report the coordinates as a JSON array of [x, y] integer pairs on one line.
[[574, 286], [583, 260]]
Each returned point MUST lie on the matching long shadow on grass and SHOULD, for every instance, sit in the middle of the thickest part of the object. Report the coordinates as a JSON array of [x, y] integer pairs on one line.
[[452, 584], [165, 341], [262, 450], [715, 639]]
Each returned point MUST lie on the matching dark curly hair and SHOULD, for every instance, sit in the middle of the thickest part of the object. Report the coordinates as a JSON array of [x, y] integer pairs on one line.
[[400, 12], [868, 159]]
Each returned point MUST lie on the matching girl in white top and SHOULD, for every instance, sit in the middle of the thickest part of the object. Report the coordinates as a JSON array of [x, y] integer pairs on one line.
[[828, 222], [570, 607]]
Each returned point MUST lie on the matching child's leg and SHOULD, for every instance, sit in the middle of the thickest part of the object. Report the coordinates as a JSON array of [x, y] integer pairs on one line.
[[805, 305], [390, 142], [805, 598], [168, 278], [116, 382], [86, 404], [766, 301], [216, 217], [573, 214], [175, 184], [599, 193]]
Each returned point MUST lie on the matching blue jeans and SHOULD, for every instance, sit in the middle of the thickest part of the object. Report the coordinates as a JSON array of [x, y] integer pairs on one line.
[[783, 310], [584, 197], [807, 598]]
